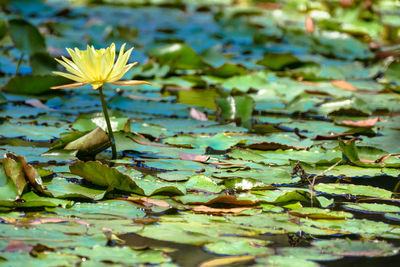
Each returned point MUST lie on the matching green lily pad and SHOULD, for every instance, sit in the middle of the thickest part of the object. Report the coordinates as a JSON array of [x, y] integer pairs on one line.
[[287, 260], [118, 208], [372, 207], [31, 200], [89, 144], [218, 142], [239, 246], [236, 108], [243, 184], [279, 61], [316, 213], [351, 189], [150, 185], [353, 106], [347, 247], [33, 84], [30, 132], [267, 176], [203, 182], [177, 56], [305, 253], [175, 175], [61, 188], [88, 122], [227, 70], [103, 175], [26, 37], [359, 156], [8, 189], [122, 255], [42, 63], [244, 83]]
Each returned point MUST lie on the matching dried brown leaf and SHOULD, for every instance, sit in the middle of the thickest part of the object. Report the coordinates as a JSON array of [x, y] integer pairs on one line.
[[38, 104], [148, 143], [309, 24], [343, 85], [193, 157], [39, 221], [382, 159], [15, 246], [148, 202], [216, 211], [226, 261], [198, 115], [362, 123]]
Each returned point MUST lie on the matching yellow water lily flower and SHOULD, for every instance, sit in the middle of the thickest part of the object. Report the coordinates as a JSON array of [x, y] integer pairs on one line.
[[96, 67]]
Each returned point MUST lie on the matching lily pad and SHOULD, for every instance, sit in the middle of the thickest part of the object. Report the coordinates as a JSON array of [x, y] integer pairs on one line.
[[239, 247], [33, 84], [203, 182], [351, 189], [26, 37]]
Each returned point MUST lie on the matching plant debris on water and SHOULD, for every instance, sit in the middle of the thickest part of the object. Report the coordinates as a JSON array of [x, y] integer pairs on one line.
[[268, 135]]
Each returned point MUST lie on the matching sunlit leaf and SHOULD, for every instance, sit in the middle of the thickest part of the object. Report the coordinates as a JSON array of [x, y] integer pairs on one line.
[[351, 189]]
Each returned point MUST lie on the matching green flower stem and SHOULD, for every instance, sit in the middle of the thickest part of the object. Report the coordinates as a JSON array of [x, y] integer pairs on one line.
[[21, 57], [110, 132]]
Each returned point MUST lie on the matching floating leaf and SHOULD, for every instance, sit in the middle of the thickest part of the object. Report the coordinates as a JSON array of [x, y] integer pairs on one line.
[[351, 189], [203, 183], [102, 175], [26, 37], [239, 247], [237, 108], [226, 261], [33, 84], [279, 61], [42, 63], [316, 213], [347, 247], [372, 207], [216, 211], [14, 169], [150, 185], [90, 121], [267, 176], [177, 56], [90, 143], [8, 189], [227, 70], [219, 141], [121, 255], [61, 188]]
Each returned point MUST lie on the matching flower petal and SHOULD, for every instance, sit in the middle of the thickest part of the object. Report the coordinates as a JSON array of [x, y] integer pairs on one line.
[[70, 76], [69, 67], [121, 62], [66, 86], [96, 85], [119, 75], [77, 59], [130, 82], [96, 67]]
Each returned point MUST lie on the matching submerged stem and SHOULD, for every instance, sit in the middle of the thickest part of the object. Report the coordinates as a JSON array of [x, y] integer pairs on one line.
[[107, 118]]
